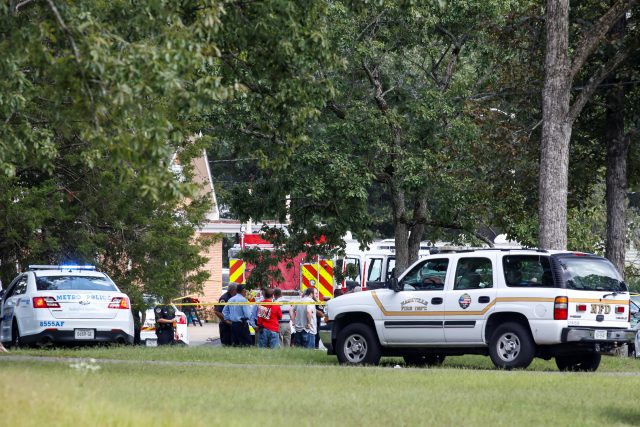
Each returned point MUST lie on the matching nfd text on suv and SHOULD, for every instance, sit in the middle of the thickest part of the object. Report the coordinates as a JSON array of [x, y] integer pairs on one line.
[[513, 305], [50, 304]]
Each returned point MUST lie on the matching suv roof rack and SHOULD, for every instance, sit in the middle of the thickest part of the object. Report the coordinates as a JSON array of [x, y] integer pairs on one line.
[[463, 249], [35, 267]]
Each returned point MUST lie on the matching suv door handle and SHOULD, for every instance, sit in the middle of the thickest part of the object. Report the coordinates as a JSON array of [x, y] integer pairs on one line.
[[436, 300], [484, 300]]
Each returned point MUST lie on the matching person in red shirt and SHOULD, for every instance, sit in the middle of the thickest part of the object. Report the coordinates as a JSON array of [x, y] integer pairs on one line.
[[269, 317]]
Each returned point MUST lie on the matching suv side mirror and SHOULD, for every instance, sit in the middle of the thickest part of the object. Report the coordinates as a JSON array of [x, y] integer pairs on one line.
[[394, 284]]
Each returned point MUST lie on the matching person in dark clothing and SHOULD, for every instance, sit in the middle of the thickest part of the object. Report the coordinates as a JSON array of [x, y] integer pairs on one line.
[[319, 314], [239, 315], [165, 319], [225, 328]]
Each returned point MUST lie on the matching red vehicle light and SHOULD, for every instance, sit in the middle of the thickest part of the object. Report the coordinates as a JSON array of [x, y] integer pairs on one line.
[[182, 319], [619, 309], [561, 308], [119, 303], [45, 302], [581, 307]]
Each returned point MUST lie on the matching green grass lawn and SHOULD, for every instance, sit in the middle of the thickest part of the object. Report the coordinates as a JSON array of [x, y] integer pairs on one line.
[[241, 387]]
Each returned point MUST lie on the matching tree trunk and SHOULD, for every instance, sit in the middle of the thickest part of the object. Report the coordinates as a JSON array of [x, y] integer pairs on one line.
[[401, 228], [417, 229], [617, 150], [556, 129]]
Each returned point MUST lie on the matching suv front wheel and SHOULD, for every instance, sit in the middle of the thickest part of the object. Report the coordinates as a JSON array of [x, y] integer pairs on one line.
[[511, 346], [358, 345]]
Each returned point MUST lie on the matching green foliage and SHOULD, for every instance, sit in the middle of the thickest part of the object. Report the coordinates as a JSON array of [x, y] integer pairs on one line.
[[95, 103]]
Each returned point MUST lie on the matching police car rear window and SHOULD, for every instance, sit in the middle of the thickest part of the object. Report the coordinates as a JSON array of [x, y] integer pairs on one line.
[[75, 283]]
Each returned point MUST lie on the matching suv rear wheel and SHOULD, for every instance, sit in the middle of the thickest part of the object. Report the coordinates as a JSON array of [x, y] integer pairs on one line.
[[511, 346], [358, 345], [587, 362], [424, 359]]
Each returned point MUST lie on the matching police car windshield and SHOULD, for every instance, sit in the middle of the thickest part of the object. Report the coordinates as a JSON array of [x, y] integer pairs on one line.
[[591, 274], [75, 283]]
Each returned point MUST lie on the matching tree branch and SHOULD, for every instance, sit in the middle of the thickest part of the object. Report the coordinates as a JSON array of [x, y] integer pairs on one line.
[[339, 112], [374, 78], [16, 7], [66, 30], [374, 22], [595, 80], [261, 135], [591, 38]]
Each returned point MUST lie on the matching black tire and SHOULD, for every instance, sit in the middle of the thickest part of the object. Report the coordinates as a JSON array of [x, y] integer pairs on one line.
[[585, 362], [357, 344], [511, 346], [424, 359], [16, 339]]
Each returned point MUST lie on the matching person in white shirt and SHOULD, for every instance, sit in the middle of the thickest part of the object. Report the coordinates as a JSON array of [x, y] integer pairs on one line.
[[304, 320]]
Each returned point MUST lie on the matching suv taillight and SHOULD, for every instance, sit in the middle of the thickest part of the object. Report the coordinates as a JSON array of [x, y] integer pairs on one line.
[[119, 303], [561, 308], [182, 319], [45, 302]]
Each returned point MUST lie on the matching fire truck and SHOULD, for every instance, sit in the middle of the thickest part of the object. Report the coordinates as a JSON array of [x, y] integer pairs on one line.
[[368, 269]]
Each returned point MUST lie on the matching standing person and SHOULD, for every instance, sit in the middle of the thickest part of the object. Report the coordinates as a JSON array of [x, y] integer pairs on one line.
[[224, 327], [319, 316], [304, 320], [285, 323], [165, 319], [269, 317], [238, 316]]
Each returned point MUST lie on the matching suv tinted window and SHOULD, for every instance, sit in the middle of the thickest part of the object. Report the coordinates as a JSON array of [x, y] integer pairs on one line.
[[74, 283], [591, 274], [529, 271], [428, 276], [474, 273]]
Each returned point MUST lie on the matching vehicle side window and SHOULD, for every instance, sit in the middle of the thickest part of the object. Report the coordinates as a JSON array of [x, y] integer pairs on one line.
[[391, 268], [18, 288], [527, 271], [427, 276], [352, 269], [474, 273], [374, 273]]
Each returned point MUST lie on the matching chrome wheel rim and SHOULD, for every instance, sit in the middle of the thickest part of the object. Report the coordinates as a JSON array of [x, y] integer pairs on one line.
[[355, 348], [508, 347]]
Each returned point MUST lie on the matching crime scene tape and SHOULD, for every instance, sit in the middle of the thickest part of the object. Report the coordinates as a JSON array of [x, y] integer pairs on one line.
[[252, 303]]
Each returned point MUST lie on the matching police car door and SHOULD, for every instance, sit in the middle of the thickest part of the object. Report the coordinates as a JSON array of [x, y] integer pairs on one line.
[[11, 305], [415, 314], [471, 298]]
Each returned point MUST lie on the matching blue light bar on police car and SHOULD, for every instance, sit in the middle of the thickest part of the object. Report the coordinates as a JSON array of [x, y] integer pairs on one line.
[[63, 267]]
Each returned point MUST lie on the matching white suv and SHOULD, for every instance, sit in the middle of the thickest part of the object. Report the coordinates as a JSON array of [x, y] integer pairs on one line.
[[512, 305], [64, 305]]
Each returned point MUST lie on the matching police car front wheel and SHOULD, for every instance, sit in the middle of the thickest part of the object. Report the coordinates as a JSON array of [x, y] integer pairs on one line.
[[511, 346], [358, 345], [16, 339]]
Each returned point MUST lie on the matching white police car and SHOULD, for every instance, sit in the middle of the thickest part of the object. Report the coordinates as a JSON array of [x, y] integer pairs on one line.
[[50, 304]]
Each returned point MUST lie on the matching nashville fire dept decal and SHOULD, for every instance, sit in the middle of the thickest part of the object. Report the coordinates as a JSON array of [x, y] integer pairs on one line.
[[413, 304], [464, 300]]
